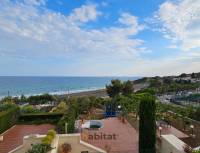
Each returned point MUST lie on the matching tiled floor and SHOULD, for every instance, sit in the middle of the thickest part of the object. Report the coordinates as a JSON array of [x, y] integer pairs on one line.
[[126, 136], [14, 136]]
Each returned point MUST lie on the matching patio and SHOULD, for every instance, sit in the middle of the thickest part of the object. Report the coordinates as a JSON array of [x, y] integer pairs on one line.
[[114, 136], [13, 137]]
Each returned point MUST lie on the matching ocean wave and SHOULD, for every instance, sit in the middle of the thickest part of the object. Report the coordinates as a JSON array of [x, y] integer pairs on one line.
[[64, 92]]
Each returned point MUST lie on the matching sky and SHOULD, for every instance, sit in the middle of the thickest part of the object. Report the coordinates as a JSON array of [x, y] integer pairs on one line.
[[99, 37]]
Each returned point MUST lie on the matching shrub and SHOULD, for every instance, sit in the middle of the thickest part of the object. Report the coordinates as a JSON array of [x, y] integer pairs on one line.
[[29, 109], [52, 133], [47, 140], [8, 118], [39, 118], [65, 148], [39, 148]]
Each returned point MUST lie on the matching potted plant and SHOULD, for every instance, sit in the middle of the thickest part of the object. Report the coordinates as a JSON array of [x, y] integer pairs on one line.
[[65, 148]]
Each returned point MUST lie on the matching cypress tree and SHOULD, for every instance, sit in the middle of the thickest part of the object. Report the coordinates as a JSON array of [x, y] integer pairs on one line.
[[147, 125]]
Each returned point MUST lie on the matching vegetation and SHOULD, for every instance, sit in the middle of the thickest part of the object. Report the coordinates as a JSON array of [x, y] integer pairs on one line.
[[39, 118], [45, 146], [29, 109], [147, 125], [65, 148], [69, 119], [117, 87], [32, 100], [8, 116], [47, 140], [7, 100], [39, 148], [127, 88], [40, 99], [196, 114], [167, 84], [61, 108], [193, 97], [183, 112]]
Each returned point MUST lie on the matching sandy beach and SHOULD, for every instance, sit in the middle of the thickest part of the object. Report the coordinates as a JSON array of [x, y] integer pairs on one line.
[[98, 93], [102, 92]]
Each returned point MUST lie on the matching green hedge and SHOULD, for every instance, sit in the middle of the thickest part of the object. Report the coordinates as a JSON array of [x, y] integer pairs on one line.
[[8, 118], [40, 118]]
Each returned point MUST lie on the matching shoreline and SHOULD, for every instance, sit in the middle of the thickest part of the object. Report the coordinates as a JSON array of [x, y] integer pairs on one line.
[[99, 92]]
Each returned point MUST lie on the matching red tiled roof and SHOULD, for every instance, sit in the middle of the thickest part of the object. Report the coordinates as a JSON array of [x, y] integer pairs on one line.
[[14, 136], [126, 136]]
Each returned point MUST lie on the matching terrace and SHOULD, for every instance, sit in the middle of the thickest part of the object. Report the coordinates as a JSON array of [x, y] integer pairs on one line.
[[13, 137], [111, 135], [114, 136]]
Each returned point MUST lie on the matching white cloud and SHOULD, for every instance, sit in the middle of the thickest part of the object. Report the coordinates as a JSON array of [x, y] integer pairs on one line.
[[180, 22], [128, 19], [34, 31], [85, 13], [186, 62], [35, 2]]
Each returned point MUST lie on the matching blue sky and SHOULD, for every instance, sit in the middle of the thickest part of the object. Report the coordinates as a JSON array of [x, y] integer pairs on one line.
[[99, 37]]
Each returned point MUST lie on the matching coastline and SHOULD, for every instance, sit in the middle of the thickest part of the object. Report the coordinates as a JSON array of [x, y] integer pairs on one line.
[[98, 92], [58, 86]]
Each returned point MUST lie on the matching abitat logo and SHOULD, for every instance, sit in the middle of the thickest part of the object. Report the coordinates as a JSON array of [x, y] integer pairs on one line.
[[99, 136]]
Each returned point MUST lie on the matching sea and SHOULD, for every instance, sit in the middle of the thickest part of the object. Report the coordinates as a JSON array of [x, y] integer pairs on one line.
[[21, 85]]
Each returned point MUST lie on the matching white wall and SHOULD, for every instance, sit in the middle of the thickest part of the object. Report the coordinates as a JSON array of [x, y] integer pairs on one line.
[[171, 144]]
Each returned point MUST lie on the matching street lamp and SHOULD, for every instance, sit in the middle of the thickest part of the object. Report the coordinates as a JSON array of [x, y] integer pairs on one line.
[[119, 107], [160, 130]]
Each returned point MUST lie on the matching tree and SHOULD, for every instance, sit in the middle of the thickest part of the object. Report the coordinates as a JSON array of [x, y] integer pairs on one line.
[[196, 115], [62, 108], [115, 88], [7, 99], [183, 75], [147, 125], [23, 98], [127, 88]]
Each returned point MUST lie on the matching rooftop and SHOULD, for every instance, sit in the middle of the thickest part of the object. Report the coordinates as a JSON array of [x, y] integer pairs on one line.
[[13, 137], [114, 136]]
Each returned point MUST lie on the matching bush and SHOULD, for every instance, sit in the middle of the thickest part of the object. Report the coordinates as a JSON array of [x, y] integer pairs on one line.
[[47, 140], [39, 148], [29, 109], [65, 148], [40, 99], [8, 118], [40, 118], [52, 133]]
